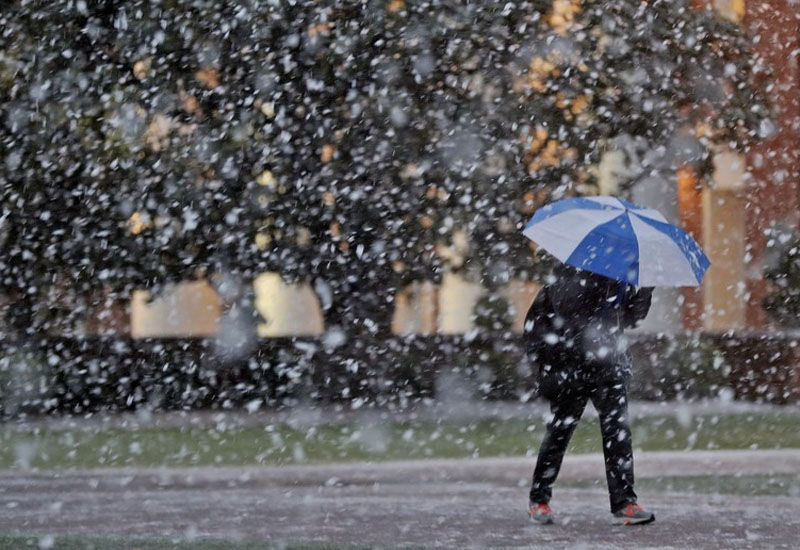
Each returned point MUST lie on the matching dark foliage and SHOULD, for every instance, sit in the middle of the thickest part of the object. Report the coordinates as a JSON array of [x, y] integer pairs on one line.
[[88, 375]]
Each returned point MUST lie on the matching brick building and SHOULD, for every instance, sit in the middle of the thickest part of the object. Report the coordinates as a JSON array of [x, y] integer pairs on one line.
[[754, 194]]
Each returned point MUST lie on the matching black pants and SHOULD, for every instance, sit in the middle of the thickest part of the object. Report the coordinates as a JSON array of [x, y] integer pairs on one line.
[[610, 398]]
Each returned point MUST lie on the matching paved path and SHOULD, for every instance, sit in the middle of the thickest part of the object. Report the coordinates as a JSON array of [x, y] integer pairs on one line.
[[460, 504]]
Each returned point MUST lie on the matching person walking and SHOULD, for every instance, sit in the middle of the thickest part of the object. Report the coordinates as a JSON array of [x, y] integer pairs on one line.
[[574, 333]]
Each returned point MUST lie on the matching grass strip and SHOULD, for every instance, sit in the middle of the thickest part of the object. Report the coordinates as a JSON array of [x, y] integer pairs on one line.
[[10, 541], [280, 444]]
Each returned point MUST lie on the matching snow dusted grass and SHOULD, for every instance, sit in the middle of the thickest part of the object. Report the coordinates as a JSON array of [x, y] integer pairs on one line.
[[40, 542], [373, 440]]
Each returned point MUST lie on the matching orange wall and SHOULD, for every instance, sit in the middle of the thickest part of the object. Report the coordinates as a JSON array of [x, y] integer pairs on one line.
[[690, 209], [774, 191]]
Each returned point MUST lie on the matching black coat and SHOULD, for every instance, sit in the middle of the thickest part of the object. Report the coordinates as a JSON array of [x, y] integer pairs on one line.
[[574, 329]]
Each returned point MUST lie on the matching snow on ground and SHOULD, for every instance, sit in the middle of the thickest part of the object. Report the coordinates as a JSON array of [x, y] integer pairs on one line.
[[476, 503]]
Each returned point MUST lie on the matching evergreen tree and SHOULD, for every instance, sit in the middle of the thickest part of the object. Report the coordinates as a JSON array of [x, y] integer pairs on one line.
[[356, 145], [783, 301]]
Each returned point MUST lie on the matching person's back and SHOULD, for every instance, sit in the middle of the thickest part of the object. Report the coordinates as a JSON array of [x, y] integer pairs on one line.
[[577, 323]]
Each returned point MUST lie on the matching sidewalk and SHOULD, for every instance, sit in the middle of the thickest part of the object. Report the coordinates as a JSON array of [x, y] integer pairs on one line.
[[477, 503]]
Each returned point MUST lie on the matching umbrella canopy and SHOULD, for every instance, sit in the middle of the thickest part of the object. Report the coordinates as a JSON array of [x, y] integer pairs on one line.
[[619, 240]]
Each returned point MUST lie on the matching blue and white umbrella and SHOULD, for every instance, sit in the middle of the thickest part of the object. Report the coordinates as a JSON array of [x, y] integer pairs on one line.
[[618, 239]]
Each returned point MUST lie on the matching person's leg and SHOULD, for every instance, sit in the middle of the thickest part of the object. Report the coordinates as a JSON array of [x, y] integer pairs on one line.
[[611, 401], [566, 411]]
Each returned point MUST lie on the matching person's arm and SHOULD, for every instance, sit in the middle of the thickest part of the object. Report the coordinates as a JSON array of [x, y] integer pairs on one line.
[[636, 305], [537, 325]]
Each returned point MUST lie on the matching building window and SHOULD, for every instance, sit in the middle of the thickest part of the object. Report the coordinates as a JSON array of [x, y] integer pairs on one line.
[[730, 9]]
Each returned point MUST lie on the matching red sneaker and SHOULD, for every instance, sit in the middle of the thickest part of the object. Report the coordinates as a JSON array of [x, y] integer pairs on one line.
[[633, 514], [540, 513]]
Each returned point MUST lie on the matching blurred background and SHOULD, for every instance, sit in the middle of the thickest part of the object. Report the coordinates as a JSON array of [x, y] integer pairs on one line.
[[242, 204]]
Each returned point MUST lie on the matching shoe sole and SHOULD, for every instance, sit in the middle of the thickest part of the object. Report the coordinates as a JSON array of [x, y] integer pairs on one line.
[[637, 521], [541, 520]]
